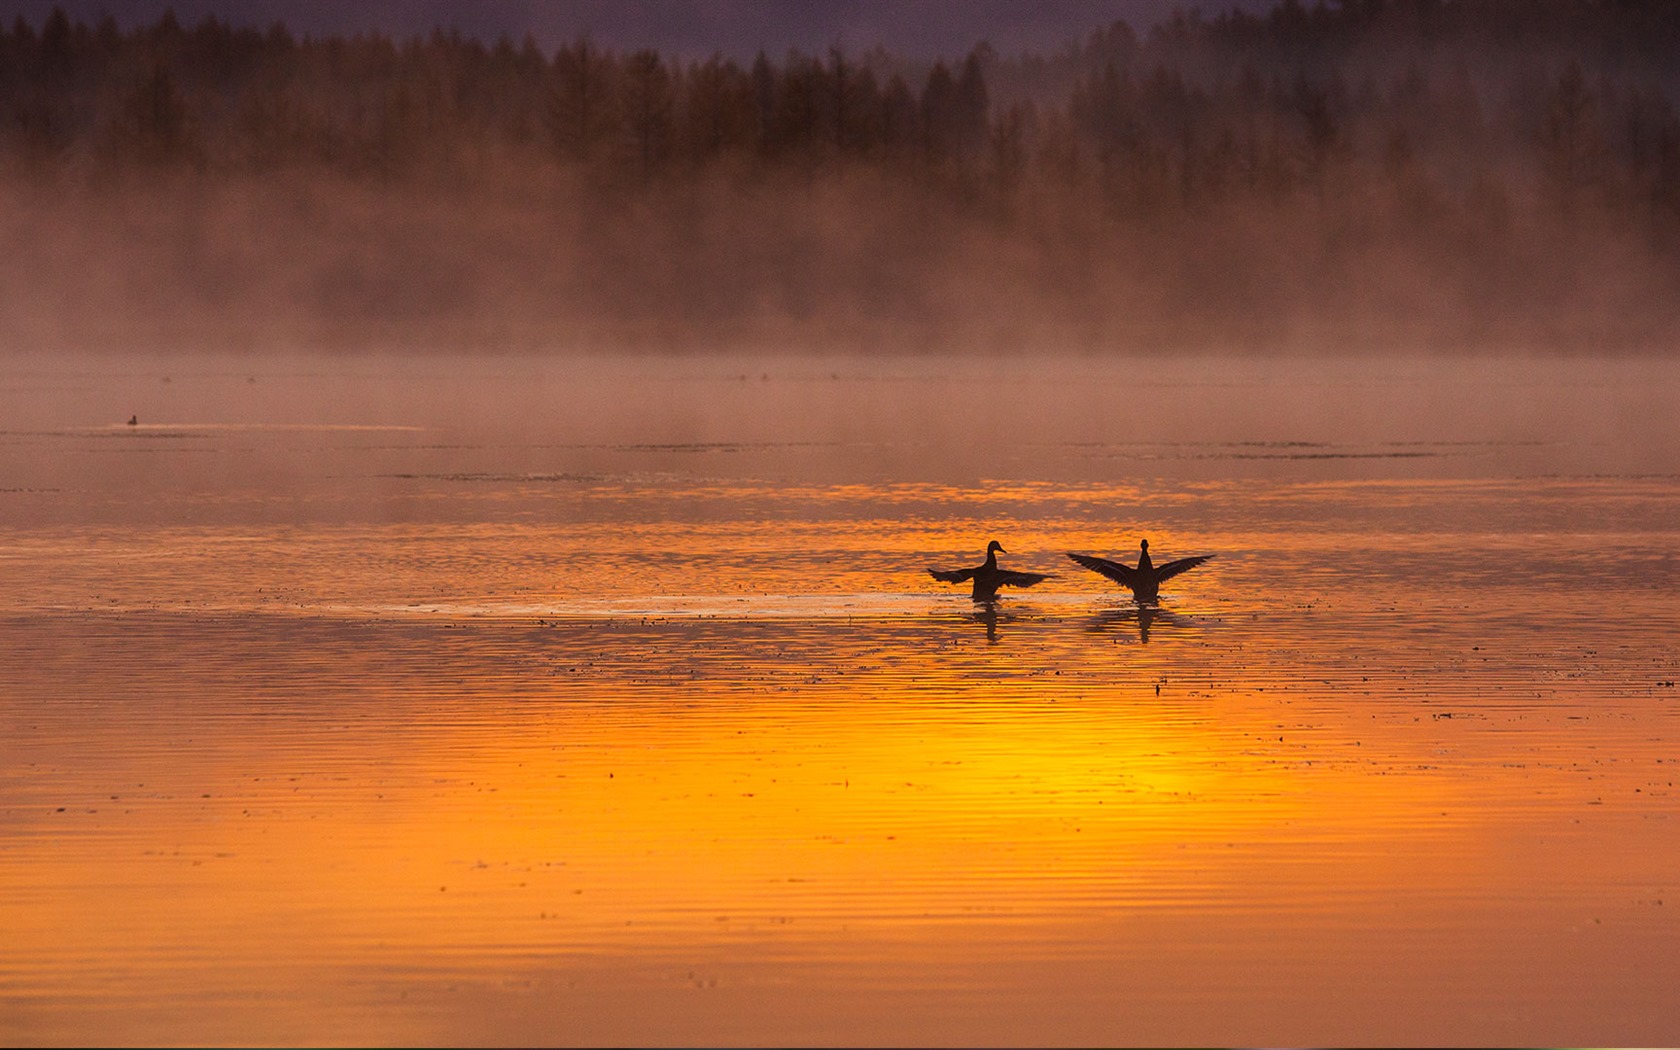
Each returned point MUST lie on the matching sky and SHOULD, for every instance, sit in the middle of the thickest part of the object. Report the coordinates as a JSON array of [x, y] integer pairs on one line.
[[738, 28]]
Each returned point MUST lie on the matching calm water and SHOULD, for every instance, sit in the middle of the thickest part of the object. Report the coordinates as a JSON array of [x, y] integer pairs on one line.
[[501, 702]]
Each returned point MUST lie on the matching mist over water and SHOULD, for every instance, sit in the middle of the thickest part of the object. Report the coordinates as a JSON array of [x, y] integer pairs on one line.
[[1368, 179], [852, 263], [265, 427]]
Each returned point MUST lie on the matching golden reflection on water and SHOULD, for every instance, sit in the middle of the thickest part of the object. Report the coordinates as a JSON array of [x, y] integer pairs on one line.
[[847, 797], [495, 747]]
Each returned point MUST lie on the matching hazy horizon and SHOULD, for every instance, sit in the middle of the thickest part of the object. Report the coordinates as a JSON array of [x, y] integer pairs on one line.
[[1398, 178]]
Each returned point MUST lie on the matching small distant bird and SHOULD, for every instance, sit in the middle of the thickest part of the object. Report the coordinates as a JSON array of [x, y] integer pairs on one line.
[[133, 421], [988, 577], [1145, 580]]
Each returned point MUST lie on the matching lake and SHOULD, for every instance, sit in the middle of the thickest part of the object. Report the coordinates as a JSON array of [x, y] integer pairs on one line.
[[467, 700]]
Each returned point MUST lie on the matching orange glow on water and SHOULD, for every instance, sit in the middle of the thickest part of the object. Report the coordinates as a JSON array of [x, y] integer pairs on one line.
[[630, 750]]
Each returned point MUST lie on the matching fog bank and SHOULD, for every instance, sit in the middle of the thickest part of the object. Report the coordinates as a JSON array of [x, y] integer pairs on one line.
[[1412, 177]]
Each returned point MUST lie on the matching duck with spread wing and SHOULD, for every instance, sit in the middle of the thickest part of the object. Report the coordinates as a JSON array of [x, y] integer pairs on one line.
[[988, 577], [1145, 580]]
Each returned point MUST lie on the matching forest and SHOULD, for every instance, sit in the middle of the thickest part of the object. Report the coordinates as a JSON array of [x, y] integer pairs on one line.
[[1408, 176]]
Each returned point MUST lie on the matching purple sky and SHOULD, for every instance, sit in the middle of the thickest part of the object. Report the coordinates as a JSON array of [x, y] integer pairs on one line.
[[916, 28]]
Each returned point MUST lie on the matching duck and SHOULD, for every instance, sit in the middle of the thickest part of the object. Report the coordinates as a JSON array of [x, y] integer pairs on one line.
[[988, 577], [1145, 580]]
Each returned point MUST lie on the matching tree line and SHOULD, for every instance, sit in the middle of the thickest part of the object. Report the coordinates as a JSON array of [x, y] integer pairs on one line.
[[1566, 97], [1459, 148], [222, 97]]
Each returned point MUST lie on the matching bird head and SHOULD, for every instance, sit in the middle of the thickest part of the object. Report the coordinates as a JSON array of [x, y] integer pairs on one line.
[[1145, 544], [995, 546]]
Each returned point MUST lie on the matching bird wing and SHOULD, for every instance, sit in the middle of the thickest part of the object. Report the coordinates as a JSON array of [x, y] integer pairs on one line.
[[1124, 575], [1020, 579], [1173, 568], [952, 575]]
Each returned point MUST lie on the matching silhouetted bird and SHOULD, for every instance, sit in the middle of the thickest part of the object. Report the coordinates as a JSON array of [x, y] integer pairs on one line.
[[1145, 580], [988, 577], [133, 421]]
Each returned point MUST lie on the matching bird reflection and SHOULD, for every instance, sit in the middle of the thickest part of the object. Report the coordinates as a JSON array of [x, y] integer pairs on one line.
[[992, 615], [1144, 615]]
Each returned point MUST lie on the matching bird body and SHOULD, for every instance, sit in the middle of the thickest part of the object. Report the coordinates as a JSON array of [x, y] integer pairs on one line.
[[1145, 580], [988, 577]]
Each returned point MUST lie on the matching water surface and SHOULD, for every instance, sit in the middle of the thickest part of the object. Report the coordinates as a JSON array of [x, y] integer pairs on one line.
[[362, 701]]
